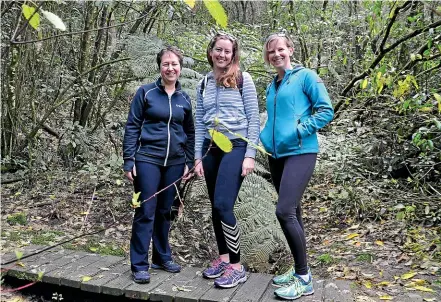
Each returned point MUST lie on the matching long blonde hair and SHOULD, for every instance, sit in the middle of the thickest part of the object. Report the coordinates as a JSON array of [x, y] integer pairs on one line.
[[229, 78]]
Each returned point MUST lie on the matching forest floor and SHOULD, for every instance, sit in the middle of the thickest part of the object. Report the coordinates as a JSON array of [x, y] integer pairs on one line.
[[382, 258]]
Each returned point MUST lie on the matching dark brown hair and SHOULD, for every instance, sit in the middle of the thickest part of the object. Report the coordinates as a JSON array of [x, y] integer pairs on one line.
[[229, 78], [173, 50]]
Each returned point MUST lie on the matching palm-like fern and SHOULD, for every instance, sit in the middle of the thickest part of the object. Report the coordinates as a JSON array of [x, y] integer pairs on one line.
[[143, 50]]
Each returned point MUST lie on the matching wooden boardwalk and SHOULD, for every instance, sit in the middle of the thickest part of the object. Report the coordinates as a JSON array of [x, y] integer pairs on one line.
[[110, 275]]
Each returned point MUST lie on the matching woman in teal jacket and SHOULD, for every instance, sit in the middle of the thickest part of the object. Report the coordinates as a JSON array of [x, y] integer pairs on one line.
[[298, 105]]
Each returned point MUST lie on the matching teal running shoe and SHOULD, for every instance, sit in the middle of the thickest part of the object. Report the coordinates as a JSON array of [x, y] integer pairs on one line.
[[295, 289], [285, 278]]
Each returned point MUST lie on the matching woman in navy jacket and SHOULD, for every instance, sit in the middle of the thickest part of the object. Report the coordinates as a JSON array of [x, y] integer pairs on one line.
[[298, 105], [158, 150]]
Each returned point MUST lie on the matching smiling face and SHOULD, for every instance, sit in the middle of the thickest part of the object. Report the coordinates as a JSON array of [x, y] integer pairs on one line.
[[279, 53], [170, 67], [221, 54]]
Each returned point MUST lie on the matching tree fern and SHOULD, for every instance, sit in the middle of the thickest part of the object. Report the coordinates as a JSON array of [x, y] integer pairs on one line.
[[143, 50]]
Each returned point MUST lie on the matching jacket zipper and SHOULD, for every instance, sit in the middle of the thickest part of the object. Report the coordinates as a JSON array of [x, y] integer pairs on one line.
[[168, 130], [298, 134], [274, 122]]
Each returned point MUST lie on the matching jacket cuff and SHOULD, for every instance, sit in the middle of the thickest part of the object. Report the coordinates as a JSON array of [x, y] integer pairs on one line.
[[197, 155], [129, 164], [250, 153]]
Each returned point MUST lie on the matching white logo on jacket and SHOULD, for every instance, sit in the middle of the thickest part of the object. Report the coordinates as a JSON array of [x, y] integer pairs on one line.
[[180, 106]]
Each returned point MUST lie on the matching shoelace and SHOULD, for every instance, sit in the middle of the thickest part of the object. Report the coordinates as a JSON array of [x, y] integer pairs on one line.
[[228, 271], [296, 282], [216, 262]]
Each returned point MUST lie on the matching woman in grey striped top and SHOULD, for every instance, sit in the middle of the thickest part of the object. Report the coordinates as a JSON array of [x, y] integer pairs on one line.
[[229, 95]]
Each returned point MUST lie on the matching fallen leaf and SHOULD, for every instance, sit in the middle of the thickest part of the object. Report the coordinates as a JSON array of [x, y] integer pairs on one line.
[[408, 275], [383, 283], [93, 249], [424, 289], [429, 299], [351, 236], [367, 284], [21, 264], [18, 254], [419, 281], [86, 278], [379, 242], [84, 213], [386, 297]]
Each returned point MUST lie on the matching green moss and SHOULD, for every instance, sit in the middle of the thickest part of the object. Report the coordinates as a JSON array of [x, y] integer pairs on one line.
[[17, 218], [103, 248], [365, 257], [45, 237], [326, 259]]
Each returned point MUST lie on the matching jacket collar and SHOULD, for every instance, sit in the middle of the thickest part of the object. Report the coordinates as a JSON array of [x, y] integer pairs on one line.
[[288, 73], [162, 88]]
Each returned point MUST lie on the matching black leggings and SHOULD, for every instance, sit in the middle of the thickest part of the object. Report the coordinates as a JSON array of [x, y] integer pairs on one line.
[[223, 178], [290, 176]]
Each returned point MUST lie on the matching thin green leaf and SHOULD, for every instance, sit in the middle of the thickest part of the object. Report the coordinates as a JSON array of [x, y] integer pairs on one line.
[[221, 140], [217, 11], [190, 3], [28, 11]]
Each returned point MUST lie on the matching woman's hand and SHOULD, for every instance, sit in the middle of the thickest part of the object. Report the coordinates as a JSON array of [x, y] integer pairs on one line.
[[187, 175], [198, 168], [131, 174], [247, 166]]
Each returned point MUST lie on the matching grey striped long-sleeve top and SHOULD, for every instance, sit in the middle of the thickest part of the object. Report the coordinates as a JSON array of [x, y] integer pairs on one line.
[[240, 113]]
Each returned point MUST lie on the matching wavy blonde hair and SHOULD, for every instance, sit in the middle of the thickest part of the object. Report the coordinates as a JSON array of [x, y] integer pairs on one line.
[[229, 78]]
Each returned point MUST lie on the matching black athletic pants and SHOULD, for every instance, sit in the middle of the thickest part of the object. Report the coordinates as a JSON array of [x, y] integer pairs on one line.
[[290, 176]]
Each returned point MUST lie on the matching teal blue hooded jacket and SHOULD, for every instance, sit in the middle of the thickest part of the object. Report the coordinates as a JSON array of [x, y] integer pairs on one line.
[[296, 110]]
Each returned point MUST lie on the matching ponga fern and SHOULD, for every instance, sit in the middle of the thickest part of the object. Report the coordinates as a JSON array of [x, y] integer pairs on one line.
[[143, 50], [255, 209]]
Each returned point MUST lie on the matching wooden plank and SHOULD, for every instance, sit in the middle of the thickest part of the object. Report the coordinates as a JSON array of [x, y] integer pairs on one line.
[[215, 294], [87, 265], [253, 289], [199, 286], [37, 263], [26, 250], [95, 285], [318, 292], [143, 291], [316, 297], [337, 291], [168, 290], [52, 270], [116, 286]]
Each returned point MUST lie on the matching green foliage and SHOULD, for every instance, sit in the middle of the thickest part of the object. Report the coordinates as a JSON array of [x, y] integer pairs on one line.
[[255, 209], [326, 259], [29, 11], [217, 11], [17, 218], [143, 51], [365, 257]]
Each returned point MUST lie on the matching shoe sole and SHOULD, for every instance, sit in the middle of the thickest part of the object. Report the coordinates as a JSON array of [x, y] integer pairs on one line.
[[242, 280], [155, 266], [294, 298], [139, 281], [213, 276]]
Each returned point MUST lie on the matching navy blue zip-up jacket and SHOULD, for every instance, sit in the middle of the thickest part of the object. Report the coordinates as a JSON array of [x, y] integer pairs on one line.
[[159, 128]]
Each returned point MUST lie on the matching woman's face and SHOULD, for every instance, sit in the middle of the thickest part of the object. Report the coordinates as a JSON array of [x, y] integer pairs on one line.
[[222, 53], [279, 54], [170, 67]]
